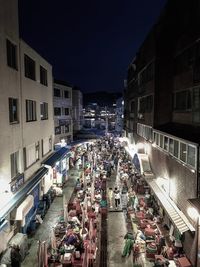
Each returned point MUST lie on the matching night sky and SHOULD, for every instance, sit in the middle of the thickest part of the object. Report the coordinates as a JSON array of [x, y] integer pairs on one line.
[[90, 43]]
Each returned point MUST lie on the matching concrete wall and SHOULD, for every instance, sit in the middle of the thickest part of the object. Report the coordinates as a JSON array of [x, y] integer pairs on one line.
[[182, 186], [10, 136], [33, 90]]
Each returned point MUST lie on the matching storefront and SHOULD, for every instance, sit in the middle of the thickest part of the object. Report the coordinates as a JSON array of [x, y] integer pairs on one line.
[[58, 166], [172, 217], [25, 212], [19, 211]]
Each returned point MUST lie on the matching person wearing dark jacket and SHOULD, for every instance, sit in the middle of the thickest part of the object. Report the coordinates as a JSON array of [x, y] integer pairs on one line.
[[15, 256]]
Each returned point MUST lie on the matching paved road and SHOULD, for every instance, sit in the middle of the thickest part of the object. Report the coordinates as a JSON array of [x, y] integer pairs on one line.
[[44, 231]]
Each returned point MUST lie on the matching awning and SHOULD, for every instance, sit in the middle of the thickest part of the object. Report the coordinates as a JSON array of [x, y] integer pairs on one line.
[[141, 162], [17, 198], [24, 208], [56, 156], [177, 217]]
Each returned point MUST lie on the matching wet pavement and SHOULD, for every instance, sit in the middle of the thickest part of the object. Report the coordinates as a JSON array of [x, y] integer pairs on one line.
[[116, 232], [117, 228], [45, 230]]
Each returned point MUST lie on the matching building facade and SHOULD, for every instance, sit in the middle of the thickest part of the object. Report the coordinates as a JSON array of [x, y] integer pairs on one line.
[[26, 123], [62, 102], [162, 113]]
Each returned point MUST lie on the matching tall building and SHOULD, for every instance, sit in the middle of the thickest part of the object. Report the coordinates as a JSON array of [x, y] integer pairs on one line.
[[77, 109], [62, 102], [162, 112], [26, 123]]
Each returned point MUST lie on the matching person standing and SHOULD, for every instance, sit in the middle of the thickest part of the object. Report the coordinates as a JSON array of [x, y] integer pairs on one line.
[[117, 197], [129, 241], [110, 197]]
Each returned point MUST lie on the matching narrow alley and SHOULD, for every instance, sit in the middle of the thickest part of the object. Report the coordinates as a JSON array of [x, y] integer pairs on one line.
[[106, 216]]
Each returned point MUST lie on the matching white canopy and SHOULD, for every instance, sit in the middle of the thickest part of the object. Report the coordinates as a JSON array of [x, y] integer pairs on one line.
[[24, 208]]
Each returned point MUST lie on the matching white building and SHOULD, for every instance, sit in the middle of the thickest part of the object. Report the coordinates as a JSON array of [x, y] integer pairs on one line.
[[37, 108], [26, 123], [77, 100], [62, 102]]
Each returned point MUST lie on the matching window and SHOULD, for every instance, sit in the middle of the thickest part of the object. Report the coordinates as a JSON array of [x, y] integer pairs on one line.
[[147, 74], [171, 146], [32, 154], [31, 110], [156, 138], [145, 104], [183, 152], [66, 111], [11, 54], [57, 111], [161, 140], [66, 94], [166, 144], [44, 111], [57, 92], [57, 130], [191, 155], [145, 131], [14, 163], [43, 76], [182, 100], [13, 110], [45, 146], [66, 129], [29, 66], [184, 60], [176, 148]]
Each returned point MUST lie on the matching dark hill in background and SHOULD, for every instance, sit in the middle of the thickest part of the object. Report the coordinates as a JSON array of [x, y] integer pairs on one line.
[[101, 98]]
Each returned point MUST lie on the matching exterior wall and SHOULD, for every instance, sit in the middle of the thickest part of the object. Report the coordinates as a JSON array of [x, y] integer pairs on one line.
[[38, 130], [10, 140], [165, 166], [176, 31], [17, 134], [66, 119], [77, 100], [182, 186]]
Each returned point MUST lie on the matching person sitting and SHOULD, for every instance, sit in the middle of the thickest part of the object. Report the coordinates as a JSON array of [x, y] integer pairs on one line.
[[74, 219], [15, 256]]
